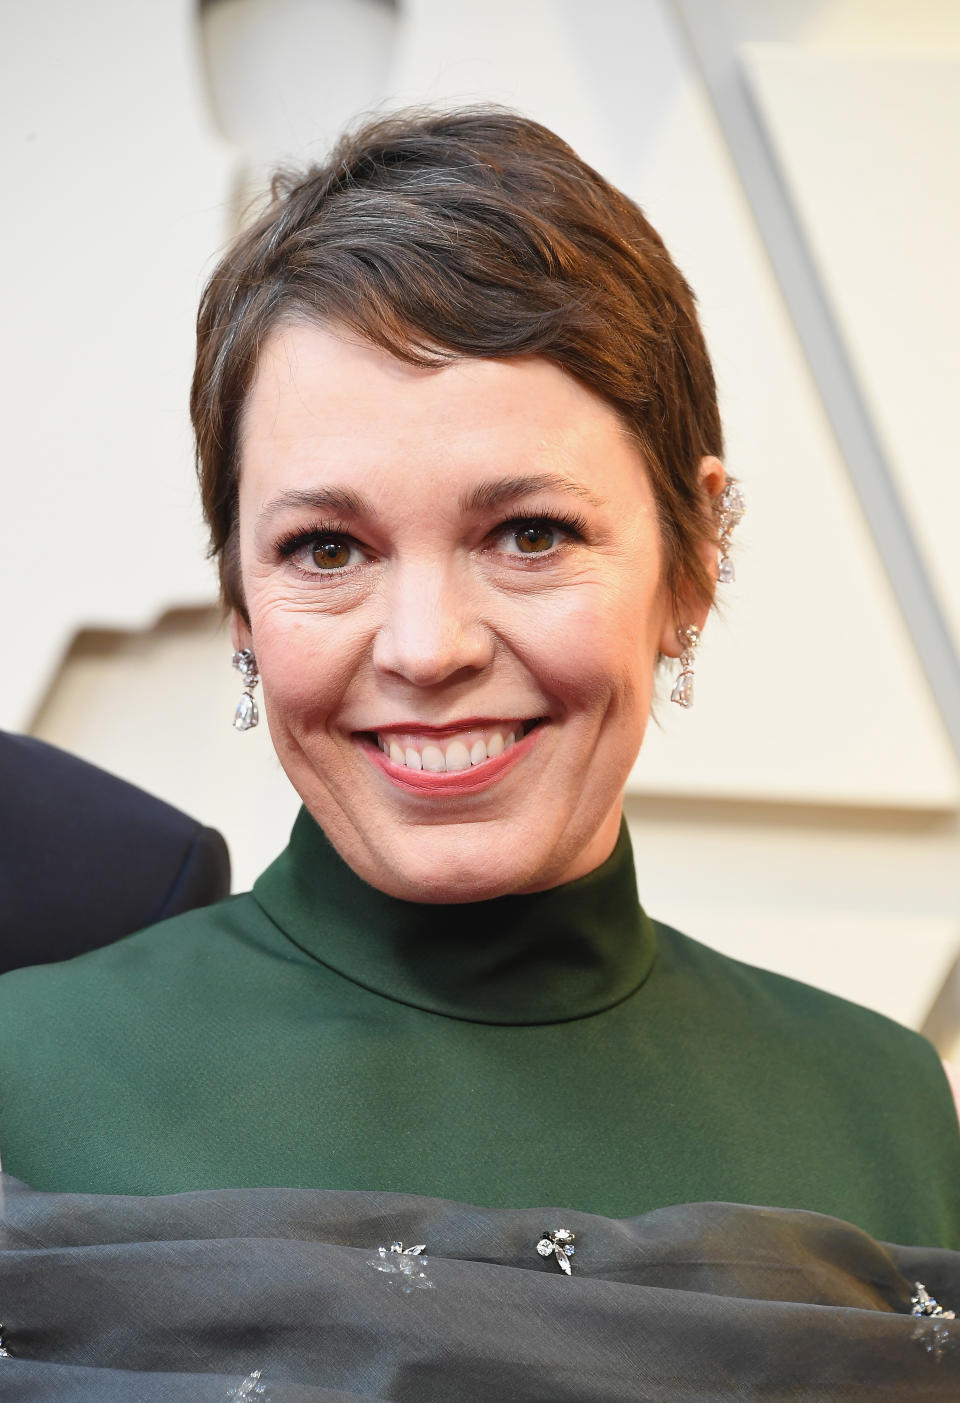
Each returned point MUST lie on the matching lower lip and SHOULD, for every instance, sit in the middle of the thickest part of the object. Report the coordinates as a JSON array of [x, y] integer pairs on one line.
[[454, 783]]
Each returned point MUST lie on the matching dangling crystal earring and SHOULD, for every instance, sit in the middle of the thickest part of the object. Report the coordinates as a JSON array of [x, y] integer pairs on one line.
[[730, 512], [246, 715], [682, 692]]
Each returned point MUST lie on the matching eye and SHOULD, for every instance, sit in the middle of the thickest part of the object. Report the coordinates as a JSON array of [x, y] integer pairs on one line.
[[330, 553], [323, 550], [540, 535], [535, 539]]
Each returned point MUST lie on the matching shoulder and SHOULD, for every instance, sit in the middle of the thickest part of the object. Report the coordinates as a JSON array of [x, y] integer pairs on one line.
[[94, 1028], [816, 1027], [44, 783], [86, 858], [827, 1071], [684, 957], [175, 956], [114, 1036], [953, 1079]]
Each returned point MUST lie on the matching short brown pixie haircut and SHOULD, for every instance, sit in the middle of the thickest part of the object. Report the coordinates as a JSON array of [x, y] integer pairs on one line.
[[475, 232]]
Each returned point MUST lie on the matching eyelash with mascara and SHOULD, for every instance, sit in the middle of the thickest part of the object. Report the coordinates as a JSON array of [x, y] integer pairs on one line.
[[572, 524], [291, 542]]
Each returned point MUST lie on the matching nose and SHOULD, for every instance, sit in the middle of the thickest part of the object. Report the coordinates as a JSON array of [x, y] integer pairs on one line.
[[432, 630]]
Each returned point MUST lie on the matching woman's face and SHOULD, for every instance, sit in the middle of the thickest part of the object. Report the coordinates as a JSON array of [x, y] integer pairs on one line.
[[454, 582]]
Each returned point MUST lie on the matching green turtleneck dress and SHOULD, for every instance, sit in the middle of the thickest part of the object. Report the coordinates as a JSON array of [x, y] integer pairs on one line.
[[554, 1049]]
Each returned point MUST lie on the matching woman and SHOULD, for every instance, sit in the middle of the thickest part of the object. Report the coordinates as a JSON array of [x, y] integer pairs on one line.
[[460, 457]]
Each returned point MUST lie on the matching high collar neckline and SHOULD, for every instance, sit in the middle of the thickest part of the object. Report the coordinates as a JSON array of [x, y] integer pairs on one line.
[[544, 957]]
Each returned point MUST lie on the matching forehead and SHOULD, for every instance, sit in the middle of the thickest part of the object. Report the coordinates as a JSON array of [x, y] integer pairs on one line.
[[324, 400]]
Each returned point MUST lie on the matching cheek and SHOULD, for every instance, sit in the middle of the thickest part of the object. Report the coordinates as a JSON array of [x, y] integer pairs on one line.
[[306, 662], [597, 647]]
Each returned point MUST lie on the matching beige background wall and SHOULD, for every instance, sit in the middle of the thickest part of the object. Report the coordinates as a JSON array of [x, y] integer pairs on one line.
[[804, 814]]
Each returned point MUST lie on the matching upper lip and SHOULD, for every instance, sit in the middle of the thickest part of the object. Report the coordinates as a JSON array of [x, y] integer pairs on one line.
[[469, 723]]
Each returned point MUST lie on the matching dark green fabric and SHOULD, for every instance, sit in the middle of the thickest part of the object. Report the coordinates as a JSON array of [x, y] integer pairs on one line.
[[557, 1048]]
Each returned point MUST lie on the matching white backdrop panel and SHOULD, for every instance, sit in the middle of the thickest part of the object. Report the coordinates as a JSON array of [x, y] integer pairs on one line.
[[116, 192], [868, 142]]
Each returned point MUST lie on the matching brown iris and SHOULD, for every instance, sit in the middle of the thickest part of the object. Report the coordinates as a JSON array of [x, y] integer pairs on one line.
[[331, 554], [532, 539]]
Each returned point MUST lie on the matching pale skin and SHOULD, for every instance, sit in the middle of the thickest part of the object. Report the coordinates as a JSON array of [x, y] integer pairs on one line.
[[401, 608]]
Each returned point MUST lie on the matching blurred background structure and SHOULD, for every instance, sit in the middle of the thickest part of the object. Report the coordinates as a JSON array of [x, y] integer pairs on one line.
[[799, 158]]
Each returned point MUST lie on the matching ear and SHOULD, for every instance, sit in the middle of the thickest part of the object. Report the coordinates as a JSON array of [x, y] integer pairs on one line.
[[712, 479], [240, 632]]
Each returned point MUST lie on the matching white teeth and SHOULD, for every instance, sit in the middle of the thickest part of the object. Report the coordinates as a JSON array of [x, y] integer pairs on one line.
[[433, 759], [471, 747], [458, 756]]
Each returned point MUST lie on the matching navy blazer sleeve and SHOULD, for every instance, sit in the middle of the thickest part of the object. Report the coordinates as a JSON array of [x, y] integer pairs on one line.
[[86, 858]]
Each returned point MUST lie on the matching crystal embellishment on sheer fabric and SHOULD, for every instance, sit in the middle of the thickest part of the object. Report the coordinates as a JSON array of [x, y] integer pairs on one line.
[[925, 1304], [558, 1244], [4, 1352], [405, 1265], [935, 1338], [251, 1387]]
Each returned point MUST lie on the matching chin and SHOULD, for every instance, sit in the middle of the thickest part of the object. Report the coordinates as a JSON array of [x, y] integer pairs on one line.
[[475, 856], [453, 864], [443, 863], [457, 863]]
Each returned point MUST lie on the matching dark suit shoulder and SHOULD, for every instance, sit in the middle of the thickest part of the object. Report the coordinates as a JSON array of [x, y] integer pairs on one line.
[[86, 858]]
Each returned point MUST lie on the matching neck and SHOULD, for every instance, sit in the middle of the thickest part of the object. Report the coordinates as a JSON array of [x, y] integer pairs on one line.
[[537, 957]]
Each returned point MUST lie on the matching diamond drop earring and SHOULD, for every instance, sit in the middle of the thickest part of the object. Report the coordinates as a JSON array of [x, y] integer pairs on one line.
[[682, 692], [246, 715], [730, 512]]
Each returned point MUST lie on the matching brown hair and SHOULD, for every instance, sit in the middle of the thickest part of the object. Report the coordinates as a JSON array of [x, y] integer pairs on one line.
[[466, 233]]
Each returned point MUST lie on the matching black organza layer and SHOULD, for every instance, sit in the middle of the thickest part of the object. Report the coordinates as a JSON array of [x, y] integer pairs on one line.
[[182, 1298]]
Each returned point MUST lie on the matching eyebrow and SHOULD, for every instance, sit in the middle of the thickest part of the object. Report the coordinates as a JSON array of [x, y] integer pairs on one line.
[[490, 495], [339, 501], [486, 496]]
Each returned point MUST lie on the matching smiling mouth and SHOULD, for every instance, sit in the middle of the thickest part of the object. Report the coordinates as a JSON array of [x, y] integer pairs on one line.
[[450, 751]]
